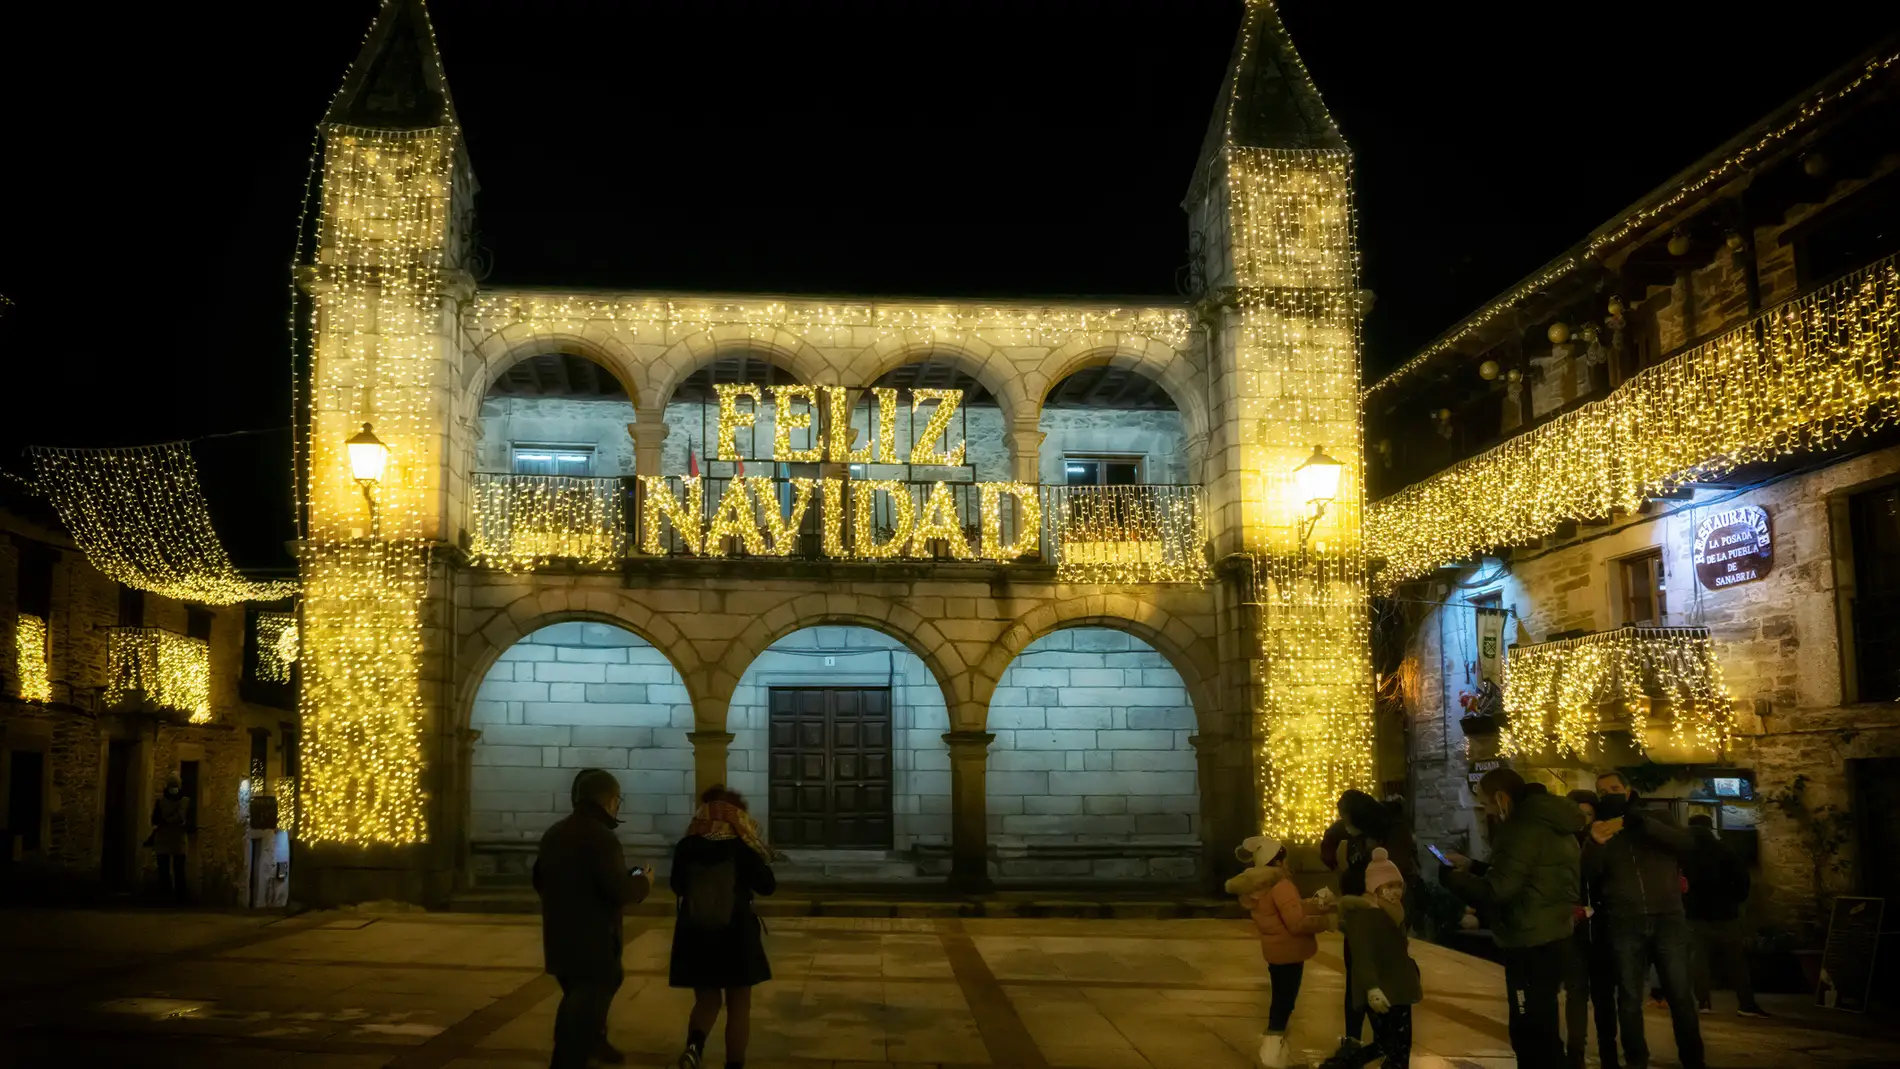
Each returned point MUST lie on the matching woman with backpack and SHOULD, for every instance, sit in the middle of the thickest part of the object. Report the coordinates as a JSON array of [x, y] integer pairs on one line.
[[718, 941]]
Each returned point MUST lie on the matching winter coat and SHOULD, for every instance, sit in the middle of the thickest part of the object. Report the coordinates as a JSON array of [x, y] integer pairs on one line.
[[1638, 871], [1348, 850], [171, 822], [581, 876], [1286, 924], [733, 956], [1377, 945], [1531, 881], [1718, 881]]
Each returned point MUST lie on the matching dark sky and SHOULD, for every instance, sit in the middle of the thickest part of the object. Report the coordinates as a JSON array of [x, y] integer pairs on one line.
[[152, 178]]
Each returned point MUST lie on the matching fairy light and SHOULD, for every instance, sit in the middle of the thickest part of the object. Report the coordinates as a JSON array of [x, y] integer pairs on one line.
[[522, 522], [158, 667], [1813, 373], [1554, 691], [732, 418], [29, 658], [886, 423], [785, 420], [1028, 520], [1129, 534], [831, 517], [140, 517], [864, 541], [783, 528], [937, 427], [276, 646], [736, 517], [838, 422], [1610, 236], [939, 521], [658, 504]]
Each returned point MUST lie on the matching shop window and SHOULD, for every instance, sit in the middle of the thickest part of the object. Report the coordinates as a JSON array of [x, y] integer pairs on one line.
[[1101, 470], [1640, 595], [1874, 519], [575, 460], [35, 579]]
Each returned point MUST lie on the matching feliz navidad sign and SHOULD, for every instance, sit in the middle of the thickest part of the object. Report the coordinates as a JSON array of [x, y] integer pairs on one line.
[[765, 515], [1733, 546]]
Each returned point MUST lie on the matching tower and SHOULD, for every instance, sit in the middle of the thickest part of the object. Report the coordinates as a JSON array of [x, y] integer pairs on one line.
[[1271, 201], [381, 280]]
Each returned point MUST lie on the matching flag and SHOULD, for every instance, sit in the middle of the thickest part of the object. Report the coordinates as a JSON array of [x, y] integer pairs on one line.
[[740, 471], [692, 462]]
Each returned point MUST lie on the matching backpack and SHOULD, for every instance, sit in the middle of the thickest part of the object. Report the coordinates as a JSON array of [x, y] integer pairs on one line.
[[711, 892]]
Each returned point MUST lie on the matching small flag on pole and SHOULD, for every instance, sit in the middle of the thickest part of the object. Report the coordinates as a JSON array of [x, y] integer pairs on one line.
[[692, 462]]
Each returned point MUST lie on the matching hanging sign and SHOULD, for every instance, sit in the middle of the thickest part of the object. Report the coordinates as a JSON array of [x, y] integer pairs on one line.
[[1491, 644], [1733, 546]]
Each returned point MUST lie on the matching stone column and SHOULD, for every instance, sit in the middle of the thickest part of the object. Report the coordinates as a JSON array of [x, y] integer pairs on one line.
[[1025, 452], [1226, 804], [649, 435], [969, 815], [709, 759]]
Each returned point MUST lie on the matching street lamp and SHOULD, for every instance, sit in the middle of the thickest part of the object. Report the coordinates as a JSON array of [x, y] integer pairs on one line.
[[1318, 482], [368, 459]]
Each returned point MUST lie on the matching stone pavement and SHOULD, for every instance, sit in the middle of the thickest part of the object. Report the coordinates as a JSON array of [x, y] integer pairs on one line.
[[429, 991]]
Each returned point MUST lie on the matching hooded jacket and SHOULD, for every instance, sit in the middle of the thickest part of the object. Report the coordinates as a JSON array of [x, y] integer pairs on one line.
[[1531, 882], [1638, 871], [1286, 923]]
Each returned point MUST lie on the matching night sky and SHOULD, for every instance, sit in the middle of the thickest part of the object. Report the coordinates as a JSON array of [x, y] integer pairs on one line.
[[1039, 147]]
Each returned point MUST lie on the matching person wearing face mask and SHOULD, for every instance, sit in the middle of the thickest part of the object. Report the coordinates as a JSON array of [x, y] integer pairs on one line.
[[1590, 980], [582, 878], [1531, 887], [171, 839], [1633, 855]]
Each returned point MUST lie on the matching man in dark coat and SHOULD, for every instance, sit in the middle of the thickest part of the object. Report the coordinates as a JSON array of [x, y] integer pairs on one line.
[[1718, 885], [171, 837], [582, 878]]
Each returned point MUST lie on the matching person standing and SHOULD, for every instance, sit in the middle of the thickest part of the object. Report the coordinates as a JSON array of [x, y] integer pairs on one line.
[[1531, 886], [1718, 885], [718, 939], [1590, 978], [1347, 849], [582, 878], [1632, 856], [171, 838], [1384, 977], [1287, 925]]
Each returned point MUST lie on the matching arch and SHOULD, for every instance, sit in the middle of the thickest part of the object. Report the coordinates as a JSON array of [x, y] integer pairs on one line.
[[517, 342], [1170, 367], [968, 354], [689, 354], [1172, 638]]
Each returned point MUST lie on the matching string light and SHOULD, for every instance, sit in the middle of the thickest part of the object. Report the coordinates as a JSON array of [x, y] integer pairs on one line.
[[160, 668], [831, 517], [276, 646], [736, 517], [1554, 691], [937, 427], [783, 528], [886, 423], [1129, 534], [785, 421], [658, 504], [838, 419], [864, 541], [732, 418], [140, 517], [29, 658], [939, 521], [1808, 375], [1028, 520], [522, 522], [1611, 235]]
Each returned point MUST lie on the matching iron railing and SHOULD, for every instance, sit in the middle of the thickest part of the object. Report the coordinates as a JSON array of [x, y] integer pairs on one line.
[[149, 667]]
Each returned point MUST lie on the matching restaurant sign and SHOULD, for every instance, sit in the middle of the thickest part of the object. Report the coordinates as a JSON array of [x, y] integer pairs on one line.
[[1733, 546]]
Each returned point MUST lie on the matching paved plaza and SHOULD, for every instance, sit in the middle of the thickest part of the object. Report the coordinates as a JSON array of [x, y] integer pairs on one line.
[[414, 990]]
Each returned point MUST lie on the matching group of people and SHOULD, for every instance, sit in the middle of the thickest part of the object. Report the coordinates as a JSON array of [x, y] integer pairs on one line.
[[584, 882], [1587, 894]]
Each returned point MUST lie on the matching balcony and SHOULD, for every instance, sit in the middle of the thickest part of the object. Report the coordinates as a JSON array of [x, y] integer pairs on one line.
[[149, 669], [1090, 534], [1618, 696]]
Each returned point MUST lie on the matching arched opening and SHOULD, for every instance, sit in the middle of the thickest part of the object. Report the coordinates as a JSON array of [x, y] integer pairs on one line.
[[1111, 425], [566, 697], [557, 413], [692, 418], [838, 745], [1092, 775], [978, 422]]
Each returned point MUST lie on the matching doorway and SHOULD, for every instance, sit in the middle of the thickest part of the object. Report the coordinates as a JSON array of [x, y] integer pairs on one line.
[[26, 797], [115, 847], [830, 767]]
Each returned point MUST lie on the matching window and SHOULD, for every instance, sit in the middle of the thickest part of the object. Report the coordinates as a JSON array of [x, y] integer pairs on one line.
[[197, 622], [1101, 470], [36, 563], [553, 459], [260, 756], [288, 731], [1640, 587], [131, 607], [1874, 519]]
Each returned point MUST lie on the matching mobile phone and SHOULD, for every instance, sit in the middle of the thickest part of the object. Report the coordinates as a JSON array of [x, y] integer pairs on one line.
[[636, 871], [1437, 853]]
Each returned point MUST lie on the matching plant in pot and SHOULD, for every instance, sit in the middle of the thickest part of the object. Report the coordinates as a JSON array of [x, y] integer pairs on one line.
[[1484, 711], [1824, 830]]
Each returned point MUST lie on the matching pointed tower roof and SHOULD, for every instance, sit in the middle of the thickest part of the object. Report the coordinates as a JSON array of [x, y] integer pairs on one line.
[[1267, 100], [396, 82]]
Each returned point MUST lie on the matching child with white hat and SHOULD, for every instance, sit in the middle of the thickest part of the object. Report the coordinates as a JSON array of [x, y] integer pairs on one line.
[[1287, 925]]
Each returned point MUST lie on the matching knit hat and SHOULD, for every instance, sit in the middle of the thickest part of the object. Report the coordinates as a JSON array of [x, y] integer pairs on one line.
[[1381, 871], [1258, 850]]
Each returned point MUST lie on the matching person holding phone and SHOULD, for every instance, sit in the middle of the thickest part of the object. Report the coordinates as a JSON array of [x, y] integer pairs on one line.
[[582, 877]]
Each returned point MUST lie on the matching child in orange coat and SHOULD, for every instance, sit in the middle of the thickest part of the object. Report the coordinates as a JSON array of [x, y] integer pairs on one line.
[[1287, 925]]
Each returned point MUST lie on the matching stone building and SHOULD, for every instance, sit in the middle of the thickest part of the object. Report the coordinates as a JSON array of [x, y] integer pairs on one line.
[[105, 691], [1651, 491], [670, 534]]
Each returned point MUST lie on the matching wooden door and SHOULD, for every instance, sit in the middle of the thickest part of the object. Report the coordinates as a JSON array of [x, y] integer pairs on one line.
[[831, 766]]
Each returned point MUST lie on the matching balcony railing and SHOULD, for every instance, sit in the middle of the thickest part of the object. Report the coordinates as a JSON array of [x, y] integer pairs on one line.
[[1561, 696], [1092, 534], [151, 668]]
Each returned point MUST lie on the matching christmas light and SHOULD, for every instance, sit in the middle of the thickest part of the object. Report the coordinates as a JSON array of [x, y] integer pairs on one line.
[[939, 521], [922, 452], [903, 517], [732, 418], [1555, 693], [522, 522], [140, 517], [736, 517], [29, 659], [1028, 516], [276, 646], [1128, 534], [160, 668], [786, 420], [1813, 373], [838, 420], [783, 528], [658, 503]]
